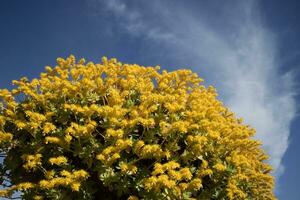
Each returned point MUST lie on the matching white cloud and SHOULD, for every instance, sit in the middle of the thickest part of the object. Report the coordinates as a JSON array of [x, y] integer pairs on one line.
[[132, 20], [240, 55]]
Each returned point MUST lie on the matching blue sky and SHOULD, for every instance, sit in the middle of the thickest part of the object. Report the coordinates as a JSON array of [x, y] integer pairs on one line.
[[249, 50]]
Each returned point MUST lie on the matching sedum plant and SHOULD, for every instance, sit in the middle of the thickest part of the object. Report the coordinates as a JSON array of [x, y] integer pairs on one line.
[[123, 131]]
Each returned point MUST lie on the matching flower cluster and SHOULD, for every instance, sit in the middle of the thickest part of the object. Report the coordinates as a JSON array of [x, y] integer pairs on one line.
[[71, 179], [5, 137], [61, 160], [32, 161], [84, 130]]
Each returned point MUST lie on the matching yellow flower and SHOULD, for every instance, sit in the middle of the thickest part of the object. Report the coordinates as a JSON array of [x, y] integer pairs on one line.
[[138, 145], [151, 150], [54, 140], [186, 173], [158, 169], [49, 127], [37, 197], [100, 157], [20, 124], [50, 174], [205, 172], [133, 169], [65, 173], [171, 165], [195, 184], [5, 137], [25, 186], [150, 183], [131, 116], [167, 154], [75, 186], [80, 174], [183, 186], [133, 198], [32, 161], [72, 179], [128, 168], [68, 138], [115, 156], [44, 184], [123, 144], [61, 160], [124, 167], [114, 133], [174, 175], [36, 117], [4, 193], [219, 167]]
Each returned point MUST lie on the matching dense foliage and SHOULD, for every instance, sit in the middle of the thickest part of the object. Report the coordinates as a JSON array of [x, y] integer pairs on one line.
[[124, 131]]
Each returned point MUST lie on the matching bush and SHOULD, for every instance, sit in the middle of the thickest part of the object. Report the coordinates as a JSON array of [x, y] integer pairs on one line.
[[124, 131]]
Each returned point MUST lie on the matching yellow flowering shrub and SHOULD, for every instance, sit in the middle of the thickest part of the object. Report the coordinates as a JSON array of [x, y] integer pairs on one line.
[[122, 131]]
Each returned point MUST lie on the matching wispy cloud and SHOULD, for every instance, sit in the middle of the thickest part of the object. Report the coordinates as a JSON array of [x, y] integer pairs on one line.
[[130, 19], [239, 55]]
